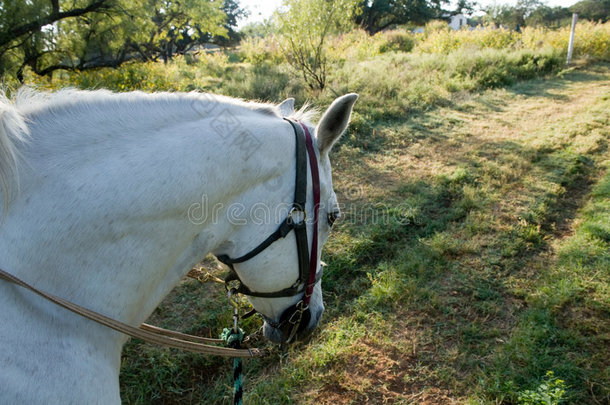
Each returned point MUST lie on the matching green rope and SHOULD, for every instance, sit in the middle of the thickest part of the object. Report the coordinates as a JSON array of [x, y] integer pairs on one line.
[[234, 339]]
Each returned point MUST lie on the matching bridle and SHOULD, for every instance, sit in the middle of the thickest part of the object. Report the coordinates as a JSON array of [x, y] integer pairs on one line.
[[294, 319]]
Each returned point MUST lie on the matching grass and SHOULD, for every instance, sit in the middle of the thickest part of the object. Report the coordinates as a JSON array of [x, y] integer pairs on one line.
[[471, 265], [419, 71]]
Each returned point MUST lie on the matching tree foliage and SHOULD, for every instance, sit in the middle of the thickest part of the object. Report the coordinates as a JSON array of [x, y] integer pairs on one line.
[[594, 10], [535, 13], [549, 17], [465, 7], [233, 13], [304, 26], [171, 22], [380, 14], [509, 16], [47, 35]]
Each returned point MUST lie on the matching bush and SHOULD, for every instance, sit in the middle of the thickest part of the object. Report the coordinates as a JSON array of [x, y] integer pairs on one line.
[[263, 81], [592, 40], [359, 45], [354, 45], [390, 80], [257, 50], [436, 26], [492, 68], [446, 40], [395, 41], [177, 75]]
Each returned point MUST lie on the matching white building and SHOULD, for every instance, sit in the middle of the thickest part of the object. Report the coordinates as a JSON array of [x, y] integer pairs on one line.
[[458, 21]]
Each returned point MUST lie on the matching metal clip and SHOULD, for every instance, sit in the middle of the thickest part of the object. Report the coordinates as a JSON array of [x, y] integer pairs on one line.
[[300, 214], [235, 305]]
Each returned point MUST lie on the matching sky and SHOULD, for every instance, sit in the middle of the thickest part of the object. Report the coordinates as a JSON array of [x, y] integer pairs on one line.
[[261, 10]]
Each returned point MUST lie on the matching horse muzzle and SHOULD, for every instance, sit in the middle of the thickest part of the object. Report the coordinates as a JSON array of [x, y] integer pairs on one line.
[[295, 323]]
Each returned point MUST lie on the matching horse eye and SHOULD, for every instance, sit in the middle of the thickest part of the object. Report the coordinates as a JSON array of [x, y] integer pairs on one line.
[[332, 217]]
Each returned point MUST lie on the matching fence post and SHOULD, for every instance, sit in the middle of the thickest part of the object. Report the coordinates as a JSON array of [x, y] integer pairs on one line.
[[571, 45]]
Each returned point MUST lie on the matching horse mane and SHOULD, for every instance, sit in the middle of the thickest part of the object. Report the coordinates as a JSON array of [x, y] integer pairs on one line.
[[13, 131], [193, 104], [118, 109], [305, 114]]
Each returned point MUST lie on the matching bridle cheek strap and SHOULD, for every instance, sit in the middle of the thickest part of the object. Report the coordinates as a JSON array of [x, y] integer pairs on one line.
[[315, 182], [297, 317]]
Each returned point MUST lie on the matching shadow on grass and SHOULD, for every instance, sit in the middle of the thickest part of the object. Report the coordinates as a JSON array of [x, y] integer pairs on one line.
[[437, 264], [548, 88], [433, 226]]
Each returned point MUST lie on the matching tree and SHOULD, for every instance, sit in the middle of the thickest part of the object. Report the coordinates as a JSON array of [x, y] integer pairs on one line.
[[28, 28], [500, 15], [526, 12], [595, 10], [47, 35], [22, 18], [304, 27], [509, 16], [378, 15], [465, 7], [549, 17], [234, 13], [176, 20]]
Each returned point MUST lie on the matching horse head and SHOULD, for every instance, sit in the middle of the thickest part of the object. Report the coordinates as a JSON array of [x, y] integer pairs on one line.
[[281, 275]]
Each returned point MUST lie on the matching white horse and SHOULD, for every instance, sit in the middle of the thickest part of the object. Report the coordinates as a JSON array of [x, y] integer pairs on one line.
[[109, 200]]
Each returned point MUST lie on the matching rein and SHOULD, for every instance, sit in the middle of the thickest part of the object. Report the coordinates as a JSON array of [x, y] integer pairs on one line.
[[148, 333]]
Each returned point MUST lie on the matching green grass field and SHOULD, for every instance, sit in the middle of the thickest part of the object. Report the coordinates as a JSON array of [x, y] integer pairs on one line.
[[472, 266]]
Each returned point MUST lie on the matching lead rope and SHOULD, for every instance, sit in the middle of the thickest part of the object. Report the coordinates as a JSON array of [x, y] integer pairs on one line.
[[233, 337]]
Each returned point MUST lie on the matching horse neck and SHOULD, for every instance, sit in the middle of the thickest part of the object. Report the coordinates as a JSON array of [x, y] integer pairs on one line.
[[119, 242]]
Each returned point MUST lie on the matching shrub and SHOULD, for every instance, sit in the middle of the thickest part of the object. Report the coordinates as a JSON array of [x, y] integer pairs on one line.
[[436, 26], [395, 41], [593, 41], [446, 41], [354, 45], [257, 50], [493, 68], [305, 28]]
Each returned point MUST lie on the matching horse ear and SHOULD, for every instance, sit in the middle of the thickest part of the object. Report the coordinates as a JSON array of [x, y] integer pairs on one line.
[[286, 107], [334, 121]]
